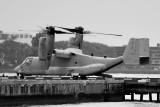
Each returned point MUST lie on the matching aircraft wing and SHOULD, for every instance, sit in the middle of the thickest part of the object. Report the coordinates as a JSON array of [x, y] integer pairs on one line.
[[62, 54], [74, 50], [68, 53]]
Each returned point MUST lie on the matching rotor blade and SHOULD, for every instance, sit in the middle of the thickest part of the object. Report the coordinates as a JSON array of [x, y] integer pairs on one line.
[[42, 28], [30, 30], [88, 32], [45, 31], [40, 31], [69, 29], [62, 32]]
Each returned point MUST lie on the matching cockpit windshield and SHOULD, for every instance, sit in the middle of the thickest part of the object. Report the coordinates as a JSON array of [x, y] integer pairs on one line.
[[28, 61]]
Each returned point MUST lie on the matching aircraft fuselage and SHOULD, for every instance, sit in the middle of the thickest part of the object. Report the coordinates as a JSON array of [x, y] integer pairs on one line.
[[79, 63]]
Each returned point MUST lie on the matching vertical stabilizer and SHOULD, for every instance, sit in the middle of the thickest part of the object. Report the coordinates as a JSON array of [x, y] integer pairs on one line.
[[137, 52], [131, 53]]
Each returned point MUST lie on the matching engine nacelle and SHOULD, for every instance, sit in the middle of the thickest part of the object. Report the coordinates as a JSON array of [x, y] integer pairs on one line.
[[42, 50], [45, 50], [49, 48], [50, 44], [42, 53]]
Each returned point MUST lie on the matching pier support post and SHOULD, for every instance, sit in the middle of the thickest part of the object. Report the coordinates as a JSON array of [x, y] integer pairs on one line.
[[141, 97], [132, 96], [29, 89], [157, 97], [150, 96], [124, 97], [19, 89], [8, 90]]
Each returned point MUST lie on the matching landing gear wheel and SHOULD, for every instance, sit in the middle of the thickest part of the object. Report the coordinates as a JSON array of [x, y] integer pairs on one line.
[[83, 77], [22, 77], [17, 74], [75, 77]]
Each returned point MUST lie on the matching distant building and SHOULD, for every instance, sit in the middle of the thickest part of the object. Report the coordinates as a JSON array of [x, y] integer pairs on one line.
[[154, 63], [155, 57], [158, 44], [23, 38]]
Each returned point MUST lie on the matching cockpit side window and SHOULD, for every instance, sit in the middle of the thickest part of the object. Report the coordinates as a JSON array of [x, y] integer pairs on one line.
[[28, 61]]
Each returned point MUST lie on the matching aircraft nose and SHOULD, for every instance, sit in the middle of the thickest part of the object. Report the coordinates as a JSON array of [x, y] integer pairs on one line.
[[17, 69]]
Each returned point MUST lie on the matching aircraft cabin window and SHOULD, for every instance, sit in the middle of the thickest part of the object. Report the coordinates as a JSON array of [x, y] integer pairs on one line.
[[28, 61], [75, 62]]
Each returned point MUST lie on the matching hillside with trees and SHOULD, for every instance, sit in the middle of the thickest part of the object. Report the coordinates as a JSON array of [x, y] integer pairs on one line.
[[13, 53], [88, 48]]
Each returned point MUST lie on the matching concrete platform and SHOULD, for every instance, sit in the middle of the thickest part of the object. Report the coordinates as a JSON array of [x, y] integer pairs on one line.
[[73, 91]]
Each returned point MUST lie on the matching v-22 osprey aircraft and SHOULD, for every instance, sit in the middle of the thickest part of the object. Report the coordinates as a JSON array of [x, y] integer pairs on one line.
[[72, 61]]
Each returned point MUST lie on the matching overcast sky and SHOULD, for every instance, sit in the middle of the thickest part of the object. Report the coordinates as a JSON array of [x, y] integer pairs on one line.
[[130, 18]]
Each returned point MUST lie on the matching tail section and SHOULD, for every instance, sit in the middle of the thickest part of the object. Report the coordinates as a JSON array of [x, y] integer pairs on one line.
[[137, 52], [144, 51]]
